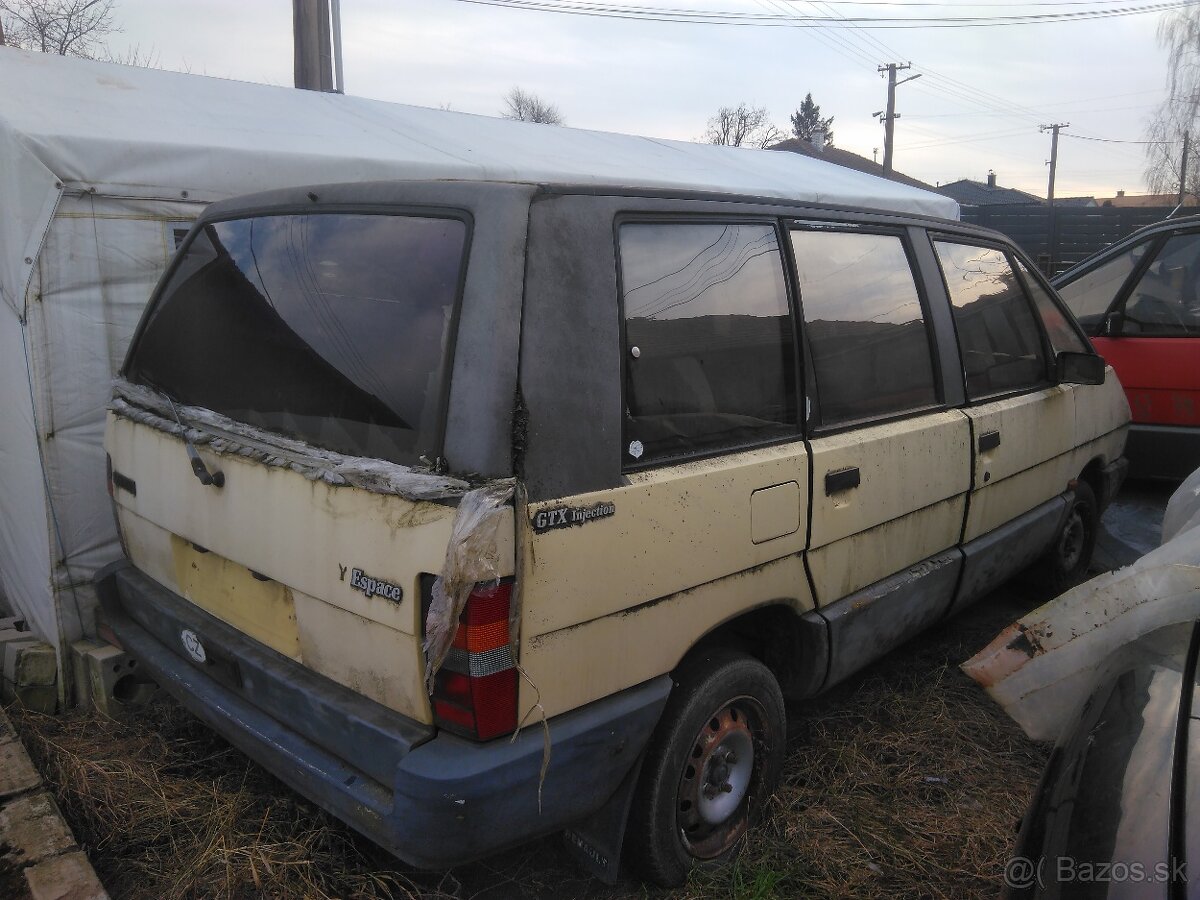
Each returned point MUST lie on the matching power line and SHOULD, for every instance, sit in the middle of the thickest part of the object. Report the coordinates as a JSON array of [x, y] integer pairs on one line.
[[760, 20]]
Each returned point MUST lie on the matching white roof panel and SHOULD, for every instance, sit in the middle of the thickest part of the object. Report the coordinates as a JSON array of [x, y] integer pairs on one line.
[[120, 126]]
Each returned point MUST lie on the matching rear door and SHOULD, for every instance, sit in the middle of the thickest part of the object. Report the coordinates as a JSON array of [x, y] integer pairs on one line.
[[1023, 425], [890, 463]]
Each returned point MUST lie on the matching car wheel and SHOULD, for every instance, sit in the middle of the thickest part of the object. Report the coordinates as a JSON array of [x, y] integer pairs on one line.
[[712, 763], [1066, 562]]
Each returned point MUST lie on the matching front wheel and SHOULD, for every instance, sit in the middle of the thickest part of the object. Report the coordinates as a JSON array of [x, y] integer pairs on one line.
[[713, 762]]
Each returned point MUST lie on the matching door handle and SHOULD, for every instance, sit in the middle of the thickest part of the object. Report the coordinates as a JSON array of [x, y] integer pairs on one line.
[[989, 440], [841, 480]]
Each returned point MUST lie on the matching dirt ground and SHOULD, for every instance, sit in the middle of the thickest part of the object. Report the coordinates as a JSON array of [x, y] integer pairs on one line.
[[905, 781]]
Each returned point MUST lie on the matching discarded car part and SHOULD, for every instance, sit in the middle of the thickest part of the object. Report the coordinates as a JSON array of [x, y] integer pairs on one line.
[[1041, 667], [1115, 813]]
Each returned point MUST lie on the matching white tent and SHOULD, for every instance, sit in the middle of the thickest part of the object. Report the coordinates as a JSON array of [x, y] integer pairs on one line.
[[101, 165]]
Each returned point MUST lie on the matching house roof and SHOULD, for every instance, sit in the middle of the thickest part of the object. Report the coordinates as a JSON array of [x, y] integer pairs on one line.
[[849, 160], [1140, 200], [979, 193]]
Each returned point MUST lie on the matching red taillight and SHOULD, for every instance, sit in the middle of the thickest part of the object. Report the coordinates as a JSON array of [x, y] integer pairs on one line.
[[475, 691]]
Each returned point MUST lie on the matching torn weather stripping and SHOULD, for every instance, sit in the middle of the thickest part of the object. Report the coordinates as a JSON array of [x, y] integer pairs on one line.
[[220, 434]]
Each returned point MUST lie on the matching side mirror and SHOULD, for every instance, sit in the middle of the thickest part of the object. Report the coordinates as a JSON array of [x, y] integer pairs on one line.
[[1079, 368]]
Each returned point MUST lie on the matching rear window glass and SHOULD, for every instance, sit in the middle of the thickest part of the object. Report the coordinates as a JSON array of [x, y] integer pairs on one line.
[[998, 336], [864, 326], [329, 328], [710, 355]]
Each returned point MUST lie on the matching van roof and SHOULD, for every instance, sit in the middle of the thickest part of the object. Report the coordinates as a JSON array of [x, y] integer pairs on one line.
[[140, 130]]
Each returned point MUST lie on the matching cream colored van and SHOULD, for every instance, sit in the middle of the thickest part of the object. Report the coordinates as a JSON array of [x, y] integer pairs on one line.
[[477, 512]]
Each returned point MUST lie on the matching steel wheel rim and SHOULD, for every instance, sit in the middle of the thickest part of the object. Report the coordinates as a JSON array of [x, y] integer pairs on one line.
[[1070, 545], [715, 791]]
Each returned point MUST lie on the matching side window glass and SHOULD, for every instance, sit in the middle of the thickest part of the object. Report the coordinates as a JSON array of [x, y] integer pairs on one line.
[[997, 335], [864, 326], [1166, 300], [710, 355], [1089, 296], [1061, 332]]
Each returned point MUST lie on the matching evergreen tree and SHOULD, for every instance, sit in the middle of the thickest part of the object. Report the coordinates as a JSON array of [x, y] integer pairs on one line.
[[807, 119]]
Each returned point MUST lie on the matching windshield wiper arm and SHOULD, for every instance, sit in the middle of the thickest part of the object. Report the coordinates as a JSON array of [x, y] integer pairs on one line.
[[216, 478]]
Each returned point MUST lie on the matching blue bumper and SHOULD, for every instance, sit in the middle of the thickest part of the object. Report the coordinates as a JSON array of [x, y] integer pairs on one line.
[[433, 799]]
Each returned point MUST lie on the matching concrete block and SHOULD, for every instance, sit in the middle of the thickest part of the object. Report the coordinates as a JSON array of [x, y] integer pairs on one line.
[[114, 682], [7, 732], [17, 774], [79, 671], [66, 877], [30, 663], [33, 830], [41, 698]]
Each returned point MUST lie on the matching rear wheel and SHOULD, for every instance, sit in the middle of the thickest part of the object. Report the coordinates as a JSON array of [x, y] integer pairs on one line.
[[713, 762], [1066, 562]]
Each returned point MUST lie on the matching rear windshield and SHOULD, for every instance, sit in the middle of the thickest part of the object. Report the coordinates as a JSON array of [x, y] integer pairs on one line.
[[332, 328]]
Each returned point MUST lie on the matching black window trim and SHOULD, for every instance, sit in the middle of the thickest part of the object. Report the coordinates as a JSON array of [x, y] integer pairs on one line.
[[1047, 350], [816, 428], [707, 218], [446, 372], [1027, 266]]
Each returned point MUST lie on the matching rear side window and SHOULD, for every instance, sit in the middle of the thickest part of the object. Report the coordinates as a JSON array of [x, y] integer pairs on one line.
[[1061, 332], [329, 328], [864, 326], [997, 335], [1165, 302], [709, 346], [1090, 295]]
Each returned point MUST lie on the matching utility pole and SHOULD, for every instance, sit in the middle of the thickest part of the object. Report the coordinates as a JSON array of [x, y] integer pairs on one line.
[[1183, 165], [1053, 155], [310, 32], [890, 117]]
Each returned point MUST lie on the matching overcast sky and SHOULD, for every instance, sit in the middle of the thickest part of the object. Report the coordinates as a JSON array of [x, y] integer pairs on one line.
[[978, 105]]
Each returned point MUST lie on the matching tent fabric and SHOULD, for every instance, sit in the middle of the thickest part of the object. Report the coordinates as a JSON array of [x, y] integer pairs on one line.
[[102, 165]]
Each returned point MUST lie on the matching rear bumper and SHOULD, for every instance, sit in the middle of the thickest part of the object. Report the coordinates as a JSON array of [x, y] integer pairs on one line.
[[432, 799], [1163, 451]]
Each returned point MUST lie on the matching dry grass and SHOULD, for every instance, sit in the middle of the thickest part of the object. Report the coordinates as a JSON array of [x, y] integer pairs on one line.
[[904, 782]]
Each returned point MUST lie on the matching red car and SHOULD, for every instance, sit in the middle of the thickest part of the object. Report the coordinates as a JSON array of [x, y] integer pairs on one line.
[[1139, 301]]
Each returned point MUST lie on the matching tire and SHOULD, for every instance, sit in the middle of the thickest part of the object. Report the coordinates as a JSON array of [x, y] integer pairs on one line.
[[1070, 554], [710, 767]]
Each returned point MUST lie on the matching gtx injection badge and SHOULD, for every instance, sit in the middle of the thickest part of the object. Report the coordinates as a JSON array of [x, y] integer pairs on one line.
[[373, 587]]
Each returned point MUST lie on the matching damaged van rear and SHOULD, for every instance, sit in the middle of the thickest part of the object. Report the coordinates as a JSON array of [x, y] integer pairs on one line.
[[481, 511]]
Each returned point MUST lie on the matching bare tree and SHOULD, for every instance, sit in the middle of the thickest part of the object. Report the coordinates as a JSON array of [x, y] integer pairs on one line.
[[525, 106], [65, 27], [1179, 34], [742, 126]]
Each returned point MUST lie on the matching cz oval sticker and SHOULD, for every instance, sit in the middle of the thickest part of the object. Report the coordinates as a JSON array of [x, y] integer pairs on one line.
[[193, 645]]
